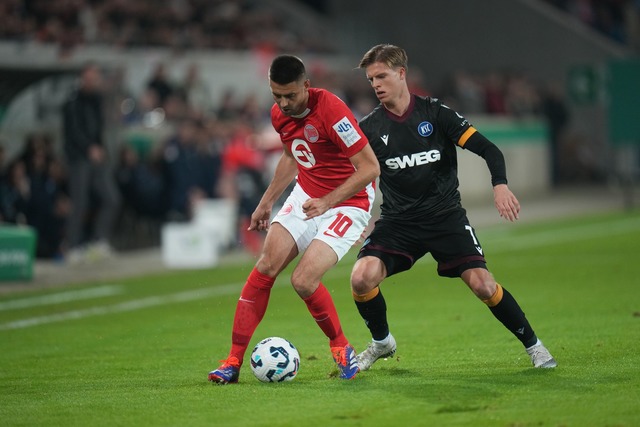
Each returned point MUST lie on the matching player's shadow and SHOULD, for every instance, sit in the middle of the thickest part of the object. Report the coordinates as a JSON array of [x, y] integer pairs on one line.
[[452, 392]]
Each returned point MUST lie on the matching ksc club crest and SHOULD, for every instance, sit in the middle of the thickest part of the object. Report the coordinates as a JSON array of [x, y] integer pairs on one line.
[[311, 133], [425, 129]]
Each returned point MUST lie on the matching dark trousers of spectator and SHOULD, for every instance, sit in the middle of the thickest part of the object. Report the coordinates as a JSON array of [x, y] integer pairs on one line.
[[87, 179]]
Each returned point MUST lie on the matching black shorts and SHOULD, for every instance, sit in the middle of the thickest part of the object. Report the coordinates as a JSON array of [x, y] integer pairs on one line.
[[449, 238]]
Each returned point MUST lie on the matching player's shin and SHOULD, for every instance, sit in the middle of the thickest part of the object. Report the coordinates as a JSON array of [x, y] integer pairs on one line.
[[373, 310], [321, 306], [506, 309], [250, 310]]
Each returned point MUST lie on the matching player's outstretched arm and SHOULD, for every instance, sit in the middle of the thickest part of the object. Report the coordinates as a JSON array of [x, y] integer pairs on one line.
[[285, 171], [504, 200]]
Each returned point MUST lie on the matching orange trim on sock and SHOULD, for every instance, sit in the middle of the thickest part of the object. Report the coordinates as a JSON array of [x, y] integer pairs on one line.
[[495, 298], [368, 296]]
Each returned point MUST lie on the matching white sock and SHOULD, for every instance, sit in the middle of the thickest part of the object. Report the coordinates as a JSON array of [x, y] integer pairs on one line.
[[537, 343], [383, 341]]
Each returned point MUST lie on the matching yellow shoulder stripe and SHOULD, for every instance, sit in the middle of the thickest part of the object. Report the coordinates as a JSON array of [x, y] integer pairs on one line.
[[466, 135]]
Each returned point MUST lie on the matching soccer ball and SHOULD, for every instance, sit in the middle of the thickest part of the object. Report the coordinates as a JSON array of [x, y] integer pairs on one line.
[[274, 360]]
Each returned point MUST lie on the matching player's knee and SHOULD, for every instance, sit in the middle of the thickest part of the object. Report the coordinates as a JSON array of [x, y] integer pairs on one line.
[[302, 284], [267, 267], [271, 262], [364, 279], [481, 282], [358, 284], [483, 288]]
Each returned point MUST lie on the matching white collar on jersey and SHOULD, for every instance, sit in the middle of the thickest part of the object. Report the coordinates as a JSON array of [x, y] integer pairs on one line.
[[302, 115]]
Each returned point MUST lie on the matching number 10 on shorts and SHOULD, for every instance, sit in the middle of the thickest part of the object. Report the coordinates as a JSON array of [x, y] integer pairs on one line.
[[339, 226]]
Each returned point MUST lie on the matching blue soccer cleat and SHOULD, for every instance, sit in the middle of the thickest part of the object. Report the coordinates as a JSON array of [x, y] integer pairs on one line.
[[345, 358], [227, 373]]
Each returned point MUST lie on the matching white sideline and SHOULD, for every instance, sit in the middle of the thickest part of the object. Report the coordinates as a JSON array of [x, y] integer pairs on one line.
[[506, 243], [132, 305], [101, 291], [501, 243]]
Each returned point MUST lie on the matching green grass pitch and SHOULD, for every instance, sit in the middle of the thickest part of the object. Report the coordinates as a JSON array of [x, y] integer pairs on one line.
[[136, 352]]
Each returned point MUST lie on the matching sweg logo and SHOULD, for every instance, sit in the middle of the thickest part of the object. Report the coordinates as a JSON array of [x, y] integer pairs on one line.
[[416, 159]]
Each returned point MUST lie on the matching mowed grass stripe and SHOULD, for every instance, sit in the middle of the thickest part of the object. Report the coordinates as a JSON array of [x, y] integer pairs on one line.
[[62, 297], [499, 244], [132, 305], [569, 234]]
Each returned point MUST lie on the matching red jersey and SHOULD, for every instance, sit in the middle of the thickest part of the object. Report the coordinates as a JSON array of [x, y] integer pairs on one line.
[[321, 140]]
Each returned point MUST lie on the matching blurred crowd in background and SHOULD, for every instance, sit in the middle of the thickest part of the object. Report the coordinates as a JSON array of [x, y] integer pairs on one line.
[[619, 20], [175, 144], [179, 24], [227, 24]]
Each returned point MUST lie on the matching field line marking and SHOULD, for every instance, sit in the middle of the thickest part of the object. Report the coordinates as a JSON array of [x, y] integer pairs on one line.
[[569, 234], [58, 298], [124, 306], [507, 244]]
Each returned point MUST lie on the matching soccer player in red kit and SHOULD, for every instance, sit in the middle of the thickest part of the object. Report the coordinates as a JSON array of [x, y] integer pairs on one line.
[[324, 215]]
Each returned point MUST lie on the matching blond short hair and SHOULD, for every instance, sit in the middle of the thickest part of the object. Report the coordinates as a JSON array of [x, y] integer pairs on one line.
[[392, 56]]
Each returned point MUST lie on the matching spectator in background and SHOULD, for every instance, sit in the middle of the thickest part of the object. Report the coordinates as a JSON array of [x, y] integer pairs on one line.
[[180, 24], [243, 167], [209, 155], [90, 172], [468, 95], [159, 83], [179, 166], [197, 92], [48, 207], [494, 94], [176, 109], [141, 182], [521, 98], [190, 170], [36, 145], [228, 107], [557, 116], [252, 111], [15, 192], [139, 112]]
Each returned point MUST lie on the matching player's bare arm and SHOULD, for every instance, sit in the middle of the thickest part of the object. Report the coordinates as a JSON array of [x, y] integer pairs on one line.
[[285, 173], [506, 202], [367, 170]]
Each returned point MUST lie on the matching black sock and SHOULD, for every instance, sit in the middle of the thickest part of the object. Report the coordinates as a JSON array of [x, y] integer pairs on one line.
[[512, 317], [374, 313]]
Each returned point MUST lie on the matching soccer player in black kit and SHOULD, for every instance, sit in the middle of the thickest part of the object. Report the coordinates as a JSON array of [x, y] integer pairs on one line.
[[415, 140]]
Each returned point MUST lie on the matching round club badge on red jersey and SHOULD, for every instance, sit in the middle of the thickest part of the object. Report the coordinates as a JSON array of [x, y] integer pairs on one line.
[[311, 133]]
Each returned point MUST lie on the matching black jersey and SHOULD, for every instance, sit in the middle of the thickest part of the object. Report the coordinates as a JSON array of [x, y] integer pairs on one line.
[[417, 155]]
